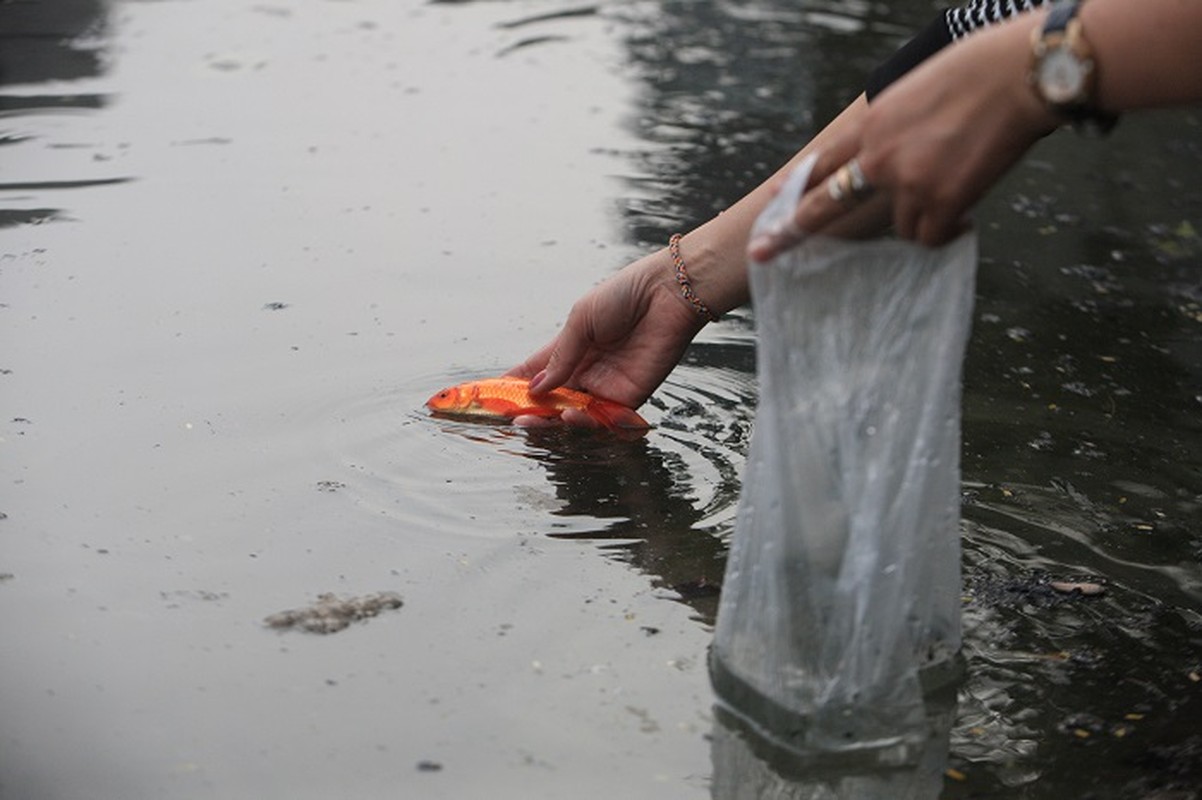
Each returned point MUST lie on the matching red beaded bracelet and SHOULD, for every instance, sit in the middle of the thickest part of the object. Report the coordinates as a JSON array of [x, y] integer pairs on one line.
[[682, 277]]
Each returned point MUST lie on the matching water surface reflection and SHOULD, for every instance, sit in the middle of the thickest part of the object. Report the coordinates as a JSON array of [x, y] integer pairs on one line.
[[663, 502], [667, 499], [49, 53]]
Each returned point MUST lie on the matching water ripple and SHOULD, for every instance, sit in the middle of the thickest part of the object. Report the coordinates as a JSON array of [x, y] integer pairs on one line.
[[664, 502]]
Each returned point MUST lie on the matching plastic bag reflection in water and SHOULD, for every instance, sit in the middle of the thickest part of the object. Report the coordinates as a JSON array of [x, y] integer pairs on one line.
[[841, 601]]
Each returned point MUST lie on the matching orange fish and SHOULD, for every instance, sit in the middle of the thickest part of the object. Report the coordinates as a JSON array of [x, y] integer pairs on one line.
[[506, 398]]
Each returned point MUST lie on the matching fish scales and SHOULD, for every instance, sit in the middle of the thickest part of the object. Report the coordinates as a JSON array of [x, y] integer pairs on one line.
[[508, 398]]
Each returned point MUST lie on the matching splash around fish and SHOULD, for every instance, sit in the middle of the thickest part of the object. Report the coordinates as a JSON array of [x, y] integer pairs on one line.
[[509, 399]]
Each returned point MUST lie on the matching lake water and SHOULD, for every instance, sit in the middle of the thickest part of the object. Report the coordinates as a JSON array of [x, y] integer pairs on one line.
[[241, 243]]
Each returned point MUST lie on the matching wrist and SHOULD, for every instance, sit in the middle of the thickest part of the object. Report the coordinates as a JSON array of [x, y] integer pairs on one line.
[[715, 279], [684, 283], [1063, 72], [1014, 40]]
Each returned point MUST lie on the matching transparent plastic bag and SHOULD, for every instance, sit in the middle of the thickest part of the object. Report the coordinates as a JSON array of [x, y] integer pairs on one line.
[[840, 607]]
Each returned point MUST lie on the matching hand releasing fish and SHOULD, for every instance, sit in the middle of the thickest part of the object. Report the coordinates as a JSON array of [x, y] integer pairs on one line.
[[507, 398]]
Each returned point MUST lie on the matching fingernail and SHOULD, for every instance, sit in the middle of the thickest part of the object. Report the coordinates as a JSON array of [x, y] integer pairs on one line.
[[537, 381]]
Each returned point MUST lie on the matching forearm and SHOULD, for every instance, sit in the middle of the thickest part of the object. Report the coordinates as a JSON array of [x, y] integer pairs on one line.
[[716, 252], [1148, 54]]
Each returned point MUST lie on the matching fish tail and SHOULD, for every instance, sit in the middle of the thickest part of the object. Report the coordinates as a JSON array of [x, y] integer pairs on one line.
[[615, 415]]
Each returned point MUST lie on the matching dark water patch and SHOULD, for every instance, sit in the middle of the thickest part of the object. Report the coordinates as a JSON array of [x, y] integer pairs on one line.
[[10, 217], [17, 104], [636, 500], [1152, 548], [543, 19], [567, 13], [56, 185], [1058, 677], [638, 496], [51, 41], [531, 41], [62, 41], [732, 90]]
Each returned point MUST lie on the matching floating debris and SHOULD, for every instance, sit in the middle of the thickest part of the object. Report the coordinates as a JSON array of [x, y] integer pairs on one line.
[[1086, 588], [331, 614], [175, 598], [1038, 590], [330, 486], [1083, 725]]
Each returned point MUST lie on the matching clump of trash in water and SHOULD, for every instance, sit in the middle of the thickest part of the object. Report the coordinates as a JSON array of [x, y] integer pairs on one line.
[[330, 614]]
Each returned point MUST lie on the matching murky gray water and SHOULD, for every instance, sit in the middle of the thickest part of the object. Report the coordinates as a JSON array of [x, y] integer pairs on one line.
[[242, 242]]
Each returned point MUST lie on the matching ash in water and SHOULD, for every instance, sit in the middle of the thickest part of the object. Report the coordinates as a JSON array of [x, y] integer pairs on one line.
[[330, 614]]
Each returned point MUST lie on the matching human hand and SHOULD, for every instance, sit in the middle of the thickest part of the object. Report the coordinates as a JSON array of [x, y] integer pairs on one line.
[[620, 340], [929, 146]]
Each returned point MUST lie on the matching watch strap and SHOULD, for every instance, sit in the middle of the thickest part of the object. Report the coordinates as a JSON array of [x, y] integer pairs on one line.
[[1059, 16], [1085, 117]]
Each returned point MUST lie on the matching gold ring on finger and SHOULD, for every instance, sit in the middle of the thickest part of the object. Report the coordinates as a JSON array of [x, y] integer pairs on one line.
[[848, 185], [860, 187], [838, 186]]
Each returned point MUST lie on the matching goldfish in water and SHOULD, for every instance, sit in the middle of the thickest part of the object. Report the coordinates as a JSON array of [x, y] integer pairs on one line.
[[506, 398]]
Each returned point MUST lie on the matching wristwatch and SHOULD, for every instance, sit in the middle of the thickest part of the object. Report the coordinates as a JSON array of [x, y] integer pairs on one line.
[[1063, 71]]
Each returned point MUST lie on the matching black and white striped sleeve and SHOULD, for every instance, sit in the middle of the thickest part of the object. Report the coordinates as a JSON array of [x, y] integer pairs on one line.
[[949, 25], [981, 13]]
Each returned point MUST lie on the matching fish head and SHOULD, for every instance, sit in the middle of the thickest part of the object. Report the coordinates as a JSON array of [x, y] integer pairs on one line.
[[450, 399]]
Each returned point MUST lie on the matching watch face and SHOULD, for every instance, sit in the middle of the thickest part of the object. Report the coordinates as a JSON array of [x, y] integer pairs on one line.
[[1061, 76]]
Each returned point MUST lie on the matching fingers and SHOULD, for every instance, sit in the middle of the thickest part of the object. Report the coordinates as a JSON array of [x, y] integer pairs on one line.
[[841, 201], [535, 421], [566, 353], [835, 155], [846, 202], [829, 196], [578, 419], [571, 417], [555, 362], [868, 219], [787, 235], [929, 223], [770, 244]]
